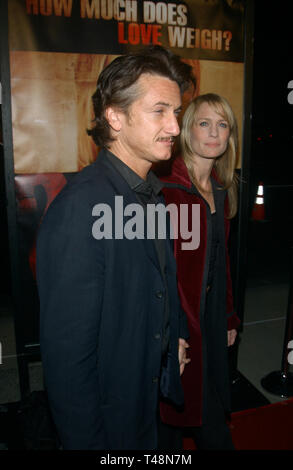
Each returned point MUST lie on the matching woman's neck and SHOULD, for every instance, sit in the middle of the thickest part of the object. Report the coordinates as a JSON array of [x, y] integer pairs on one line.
[[202, 172]]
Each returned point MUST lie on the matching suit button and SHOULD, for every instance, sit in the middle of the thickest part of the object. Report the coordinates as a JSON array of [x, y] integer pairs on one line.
[[157, 336], [155, 379], [159, 294]]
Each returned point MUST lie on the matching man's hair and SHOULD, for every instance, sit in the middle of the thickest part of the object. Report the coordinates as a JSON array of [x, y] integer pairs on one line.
[[117, 84]]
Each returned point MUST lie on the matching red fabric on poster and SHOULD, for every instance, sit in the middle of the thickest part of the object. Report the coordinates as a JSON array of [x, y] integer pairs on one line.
[[28, 191]]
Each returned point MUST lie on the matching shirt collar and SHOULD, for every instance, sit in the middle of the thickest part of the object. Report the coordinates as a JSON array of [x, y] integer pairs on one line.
[[137, 184]]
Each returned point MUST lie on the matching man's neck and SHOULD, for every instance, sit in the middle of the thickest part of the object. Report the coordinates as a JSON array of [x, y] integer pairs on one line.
[[139, 166]]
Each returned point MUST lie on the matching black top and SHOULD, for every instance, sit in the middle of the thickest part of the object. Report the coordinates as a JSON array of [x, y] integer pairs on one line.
[[214, 248]]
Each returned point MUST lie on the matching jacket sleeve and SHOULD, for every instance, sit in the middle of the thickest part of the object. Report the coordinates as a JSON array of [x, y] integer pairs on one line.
[[183, 326], [232, 318], [70, 276]]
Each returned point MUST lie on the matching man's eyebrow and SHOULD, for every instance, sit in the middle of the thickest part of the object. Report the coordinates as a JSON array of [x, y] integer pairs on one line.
[[162, 103]]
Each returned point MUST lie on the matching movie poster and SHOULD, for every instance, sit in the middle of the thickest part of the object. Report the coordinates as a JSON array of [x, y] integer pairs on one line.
[[57, 48]]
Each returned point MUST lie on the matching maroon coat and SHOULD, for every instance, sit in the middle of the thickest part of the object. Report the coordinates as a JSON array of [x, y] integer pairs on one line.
[[192, 270]]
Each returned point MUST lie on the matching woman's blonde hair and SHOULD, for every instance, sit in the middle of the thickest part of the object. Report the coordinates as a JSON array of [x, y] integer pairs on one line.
[[225, 164]]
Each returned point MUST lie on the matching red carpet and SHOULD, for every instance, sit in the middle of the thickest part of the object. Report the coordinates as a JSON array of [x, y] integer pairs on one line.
[[268, 427]]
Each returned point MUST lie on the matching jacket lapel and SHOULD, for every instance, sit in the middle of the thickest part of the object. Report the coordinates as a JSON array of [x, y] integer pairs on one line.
[[122, 188]]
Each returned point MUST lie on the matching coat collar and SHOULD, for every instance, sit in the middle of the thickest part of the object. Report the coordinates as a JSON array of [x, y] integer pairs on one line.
[[178, 178], [179, 175]]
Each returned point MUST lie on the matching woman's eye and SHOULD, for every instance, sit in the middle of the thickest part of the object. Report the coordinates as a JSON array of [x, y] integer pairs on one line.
[[203, 124], [224, 125]]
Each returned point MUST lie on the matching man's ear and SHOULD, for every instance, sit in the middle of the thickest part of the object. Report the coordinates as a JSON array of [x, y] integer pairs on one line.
[[113, 117]]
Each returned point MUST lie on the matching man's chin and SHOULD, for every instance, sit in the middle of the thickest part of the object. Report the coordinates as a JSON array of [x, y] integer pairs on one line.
[[164, 157]]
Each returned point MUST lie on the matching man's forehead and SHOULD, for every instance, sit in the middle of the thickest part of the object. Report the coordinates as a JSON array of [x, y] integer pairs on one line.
[[151, 77], [159, 88]]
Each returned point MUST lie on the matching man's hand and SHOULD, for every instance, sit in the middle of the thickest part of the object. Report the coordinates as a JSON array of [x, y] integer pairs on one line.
[[231, 337], [182, 346]]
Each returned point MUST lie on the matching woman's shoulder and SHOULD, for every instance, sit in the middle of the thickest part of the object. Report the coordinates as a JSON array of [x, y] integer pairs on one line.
[[175, 173]]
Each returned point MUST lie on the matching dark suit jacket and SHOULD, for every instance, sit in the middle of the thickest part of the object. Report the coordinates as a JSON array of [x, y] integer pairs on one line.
[[101, 317]]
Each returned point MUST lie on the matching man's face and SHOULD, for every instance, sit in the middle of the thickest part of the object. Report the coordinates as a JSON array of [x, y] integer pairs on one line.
[[148, 130]]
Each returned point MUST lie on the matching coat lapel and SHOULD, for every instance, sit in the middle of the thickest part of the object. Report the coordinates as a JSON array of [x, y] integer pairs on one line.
[[123, 189]]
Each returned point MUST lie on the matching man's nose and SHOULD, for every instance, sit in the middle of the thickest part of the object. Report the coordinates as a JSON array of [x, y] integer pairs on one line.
[[173, 126]]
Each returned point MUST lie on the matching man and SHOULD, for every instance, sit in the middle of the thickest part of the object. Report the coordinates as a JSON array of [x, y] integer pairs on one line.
[[110, 316]]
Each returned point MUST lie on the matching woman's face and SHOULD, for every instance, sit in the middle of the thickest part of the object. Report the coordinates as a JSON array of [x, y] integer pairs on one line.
[[209, 133]]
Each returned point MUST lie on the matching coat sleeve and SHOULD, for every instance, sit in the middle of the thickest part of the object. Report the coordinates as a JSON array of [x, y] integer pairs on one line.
[[70, 276], [183, 326], [232, 318]]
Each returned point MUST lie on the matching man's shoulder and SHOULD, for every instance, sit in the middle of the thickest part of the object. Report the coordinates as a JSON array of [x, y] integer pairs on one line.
[[93, 180], [89, 178], [93, 184]]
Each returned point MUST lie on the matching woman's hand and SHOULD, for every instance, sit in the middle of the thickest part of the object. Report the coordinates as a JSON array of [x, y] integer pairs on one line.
[[231, 337], [183, 360]]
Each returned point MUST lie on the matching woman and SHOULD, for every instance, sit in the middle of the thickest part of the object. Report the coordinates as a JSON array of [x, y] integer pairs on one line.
[[205, 175]]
